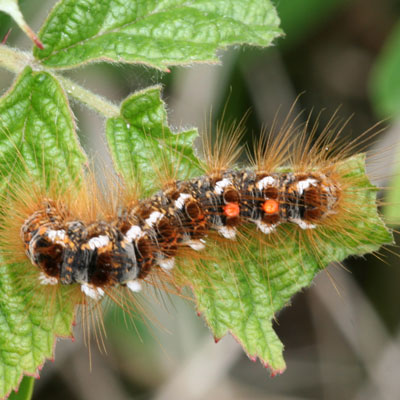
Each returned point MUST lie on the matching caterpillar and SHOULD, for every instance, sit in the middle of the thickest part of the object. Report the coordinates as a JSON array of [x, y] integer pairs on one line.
[[229, 224], [123, 251]]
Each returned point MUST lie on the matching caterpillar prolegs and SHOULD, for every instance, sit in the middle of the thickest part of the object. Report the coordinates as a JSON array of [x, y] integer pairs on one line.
[[122, 251]]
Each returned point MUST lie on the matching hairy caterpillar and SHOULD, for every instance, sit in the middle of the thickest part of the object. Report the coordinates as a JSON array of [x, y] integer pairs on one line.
[[101, 254], [290, 201]]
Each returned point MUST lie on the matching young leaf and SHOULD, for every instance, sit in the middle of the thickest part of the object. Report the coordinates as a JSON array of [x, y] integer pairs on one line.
[[140, 140], [158, 34], [37, 139]]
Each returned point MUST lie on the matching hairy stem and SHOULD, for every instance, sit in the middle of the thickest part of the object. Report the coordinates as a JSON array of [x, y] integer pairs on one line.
[[15, 61]]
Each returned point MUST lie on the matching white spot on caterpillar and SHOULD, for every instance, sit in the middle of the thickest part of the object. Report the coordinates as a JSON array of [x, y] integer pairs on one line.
[[220, 185], [302, 224], [196, 244], [265, 182], [92, 292], [97, 242], [54, 235], [47, 280], [134, 286], [134, 232], [155, 216], [180, 201], [227, 232], [302, 185], [166, 263], [265, 228]]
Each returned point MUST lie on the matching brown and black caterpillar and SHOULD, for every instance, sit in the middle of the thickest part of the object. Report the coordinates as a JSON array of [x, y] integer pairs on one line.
[[100, 254]]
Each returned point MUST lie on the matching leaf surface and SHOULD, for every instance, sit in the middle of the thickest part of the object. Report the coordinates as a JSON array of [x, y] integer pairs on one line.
[[142, 144], [37, 139], [251, 281], [37, 130], [152, 32]]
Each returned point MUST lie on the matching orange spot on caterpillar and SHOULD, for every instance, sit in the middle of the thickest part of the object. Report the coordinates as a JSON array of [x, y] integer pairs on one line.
[[270, 206], [232, 209]]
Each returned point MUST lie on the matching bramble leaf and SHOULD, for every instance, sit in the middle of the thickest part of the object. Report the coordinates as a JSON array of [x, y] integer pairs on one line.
[[37, 130], [242, 292], [155, 33], [28, 327], [141, 141], [37, 139]]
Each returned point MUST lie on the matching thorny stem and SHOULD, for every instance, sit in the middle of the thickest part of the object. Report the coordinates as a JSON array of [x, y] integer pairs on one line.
[[15, 61]]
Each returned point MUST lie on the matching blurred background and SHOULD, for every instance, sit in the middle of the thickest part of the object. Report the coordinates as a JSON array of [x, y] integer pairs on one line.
[[340, 343]]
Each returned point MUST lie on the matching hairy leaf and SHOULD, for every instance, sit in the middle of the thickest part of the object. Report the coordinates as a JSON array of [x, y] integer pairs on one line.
[[242, 292], [37, 130], [142, 144], [155, 33], [37, 139], [251, 281]]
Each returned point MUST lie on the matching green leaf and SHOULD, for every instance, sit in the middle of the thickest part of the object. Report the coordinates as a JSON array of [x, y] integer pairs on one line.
[[155, 33], [141, 141], [251, 282], [37, 131], [29, 322], [385, 78], [242, 291], [37, 140], [25, 389]]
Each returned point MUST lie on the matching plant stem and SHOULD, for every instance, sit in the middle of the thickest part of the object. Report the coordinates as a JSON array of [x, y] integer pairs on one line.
[[88, 98], [15, 61]]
